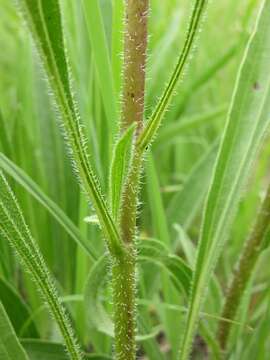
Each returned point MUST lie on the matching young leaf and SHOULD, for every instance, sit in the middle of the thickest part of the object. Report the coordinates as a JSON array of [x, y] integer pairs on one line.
[[14, 229], [247, 123], [153, 123], [44, 21], [10, 347], [119, 169]]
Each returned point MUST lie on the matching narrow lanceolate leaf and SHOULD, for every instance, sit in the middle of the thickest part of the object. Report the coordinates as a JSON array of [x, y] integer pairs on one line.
[[247, 123], [10, 347], [153, 123], [119, 169], [59, 215], [43, 18], [14, 229]]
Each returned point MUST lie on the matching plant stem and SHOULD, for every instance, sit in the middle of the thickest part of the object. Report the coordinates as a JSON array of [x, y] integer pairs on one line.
[[124, 265], [123, 273], [135, 44], [243, 272]]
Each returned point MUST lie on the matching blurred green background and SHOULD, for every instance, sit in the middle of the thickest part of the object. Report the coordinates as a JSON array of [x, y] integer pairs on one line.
[[177, 174]]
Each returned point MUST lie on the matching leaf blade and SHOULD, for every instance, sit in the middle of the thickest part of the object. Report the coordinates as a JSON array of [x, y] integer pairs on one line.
[[246, 126]]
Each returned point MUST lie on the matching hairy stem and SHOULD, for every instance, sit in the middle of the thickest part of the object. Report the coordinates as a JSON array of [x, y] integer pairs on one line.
[[243, 272], [135, 44], [123, 272], [124, 265]]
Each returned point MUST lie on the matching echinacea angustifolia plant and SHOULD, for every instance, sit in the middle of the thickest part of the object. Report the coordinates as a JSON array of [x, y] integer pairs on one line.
[[149, 307]]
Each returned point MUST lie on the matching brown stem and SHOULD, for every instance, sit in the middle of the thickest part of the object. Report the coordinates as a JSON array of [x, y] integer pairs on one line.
[[243, 272], [135, 44]]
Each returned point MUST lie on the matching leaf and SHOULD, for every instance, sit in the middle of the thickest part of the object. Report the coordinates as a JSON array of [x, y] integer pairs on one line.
[[10, 348], [247, 123], [159, 219], [119, 169], [45, 350], [117, 43], [43, 18], [59, 215], [14, 229], [5, 143], [16, 309], [101, 56], [153, 123]]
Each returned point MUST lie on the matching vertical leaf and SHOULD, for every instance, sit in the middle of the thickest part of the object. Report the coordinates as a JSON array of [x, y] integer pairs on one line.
[[247, 123], [102, 60], [119, 169]]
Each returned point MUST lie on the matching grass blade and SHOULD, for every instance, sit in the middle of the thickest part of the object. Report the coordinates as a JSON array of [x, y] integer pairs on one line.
[[14, 229], [10, 348], [102, 60], [247, 122]]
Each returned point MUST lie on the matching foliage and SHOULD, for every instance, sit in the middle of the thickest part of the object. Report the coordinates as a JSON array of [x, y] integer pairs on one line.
[[170, 164]]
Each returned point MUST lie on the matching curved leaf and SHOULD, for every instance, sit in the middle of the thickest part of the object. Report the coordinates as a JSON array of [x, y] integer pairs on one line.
[[14, 229]]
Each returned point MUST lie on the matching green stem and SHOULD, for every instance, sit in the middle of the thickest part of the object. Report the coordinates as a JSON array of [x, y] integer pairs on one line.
[[243, 272], [123, 273], [124, 265]]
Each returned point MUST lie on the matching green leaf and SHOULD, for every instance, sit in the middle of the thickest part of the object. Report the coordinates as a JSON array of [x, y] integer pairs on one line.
[[159, 220], [119, 169], [10, 348], [102, 61], [59, 215], [247, 123], [17, 310], [5, 143], [153, 123], [14, 229], [117, 43], [43, 18]]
